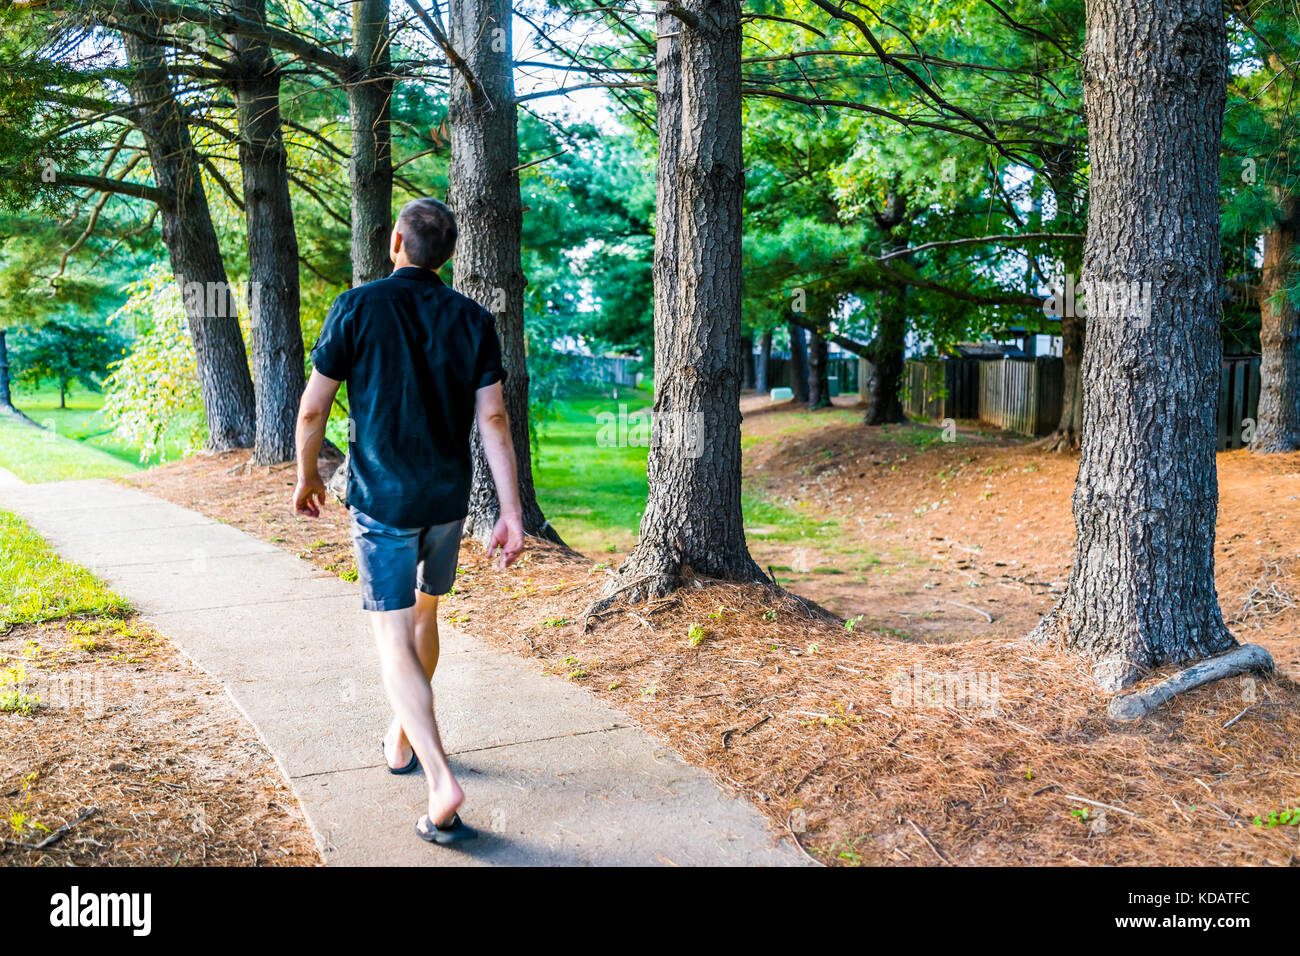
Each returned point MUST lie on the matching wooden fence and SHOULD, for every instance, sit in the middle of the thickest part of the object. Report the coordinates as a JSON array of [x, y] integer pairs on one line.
[[1022, 395], [1238, 399], [1026, 395], [597, 369]]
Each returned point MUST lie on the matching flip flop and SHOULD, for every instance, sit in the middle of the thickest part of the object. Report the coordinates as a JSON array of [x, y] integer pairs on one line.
[[445, 834], [411, 767]]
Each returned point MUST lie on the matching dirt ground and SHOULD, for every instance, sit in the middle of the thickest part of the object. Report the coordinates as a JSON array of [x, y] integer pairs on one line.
[[129, 729], [923, 730], [958, 533]]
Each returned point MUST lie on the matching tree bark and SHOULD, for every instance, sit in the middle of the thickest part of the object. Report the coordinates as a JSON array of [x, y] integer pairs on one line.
[[747, 363], [370, 169], [6, 397], [762, 383], [819, 386], [1141, 590], [273, 292], [798, 363], [888, 359], [483, 190], [1277, 426], [1061, 170], [889, 347], [194, 252], [693, 517]]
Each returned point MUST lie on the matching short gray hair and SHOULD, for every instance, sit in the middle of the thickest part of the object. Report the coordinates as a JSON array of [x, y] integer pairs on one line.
[[428, 230]]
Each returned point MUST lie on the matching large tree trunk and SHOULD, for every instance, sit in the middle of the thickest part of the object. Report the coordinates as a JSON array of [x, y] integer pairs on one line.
[[693, 513], [483, 189], [798, 363], [211, 309], [273, 294], [370, 170], [819, 385], [762, 384], [1141, 590], [1277, 426]]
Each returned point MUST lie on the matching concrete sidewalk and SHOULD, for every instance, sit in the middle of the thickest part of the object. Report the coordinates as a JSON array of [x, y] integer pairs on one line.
[[552, 776]]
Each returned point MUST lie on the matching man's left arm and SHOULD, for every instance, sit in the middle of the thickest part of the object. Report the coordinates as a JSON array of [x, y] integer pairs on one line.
[[313, 413]]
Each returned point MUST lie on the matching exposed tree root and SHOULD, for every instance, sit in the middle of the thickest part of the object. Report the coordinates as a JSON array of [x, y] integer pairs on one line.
[[1058, 441], [1239, 660]]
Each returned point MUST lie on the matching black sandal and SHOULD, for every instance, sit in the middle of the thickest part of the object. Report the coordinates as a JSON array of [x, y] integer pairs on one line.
[[445, 834], [411, 767]]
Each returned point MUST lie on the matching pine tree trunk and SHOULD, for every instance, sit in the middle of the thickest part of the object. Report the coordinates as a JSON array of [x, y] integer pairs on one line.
[[1141, 590], [762, 374], [370, 170], [6, 397], [819, 385], [1277, 426], [798, 363], [1070, 427], [483, 190], [1065, 438], [211, 308], [747, 363], [889, 347], [693, 513], [273, 293], [888, 360]]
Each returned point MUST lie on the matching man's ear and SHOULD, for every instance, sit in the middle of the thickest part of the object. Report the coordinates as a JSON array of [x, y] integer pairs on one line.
[[394, 245]]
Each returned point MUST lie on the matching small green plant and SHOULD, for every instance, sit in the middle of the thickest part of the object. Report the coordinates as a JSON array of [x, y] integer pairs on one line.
[[769, 614], [813, 648], [1081, 814], [458, 619], [1287, 818], [350, 575], [556, 622], [695, 635], [852, 622], [717, 615]]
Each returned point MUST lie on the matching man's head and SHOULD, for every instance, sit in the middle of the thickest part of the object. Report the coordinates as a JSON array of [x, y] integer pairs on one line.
[[424, 235]]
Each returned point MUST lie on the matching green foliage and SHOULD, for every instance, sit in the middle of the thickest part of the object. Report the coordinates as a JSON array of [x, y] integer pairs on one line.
[[153, 391], [62, 352]]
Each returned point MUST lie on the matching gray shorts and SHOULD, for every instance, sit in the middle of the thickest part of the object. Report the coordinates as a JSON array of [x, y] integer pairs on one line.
[[393, 562]]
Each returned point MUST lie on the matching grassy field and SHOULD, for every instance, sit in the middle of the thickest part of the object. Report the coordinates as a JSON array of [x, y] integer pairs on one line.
[[82, 422], [40, 454], [591, 477]]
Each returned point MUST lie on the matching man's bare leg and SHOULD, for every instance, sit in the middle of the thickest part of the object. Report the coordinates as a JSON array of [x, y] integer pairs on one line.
[[412, 701], [396, 746]]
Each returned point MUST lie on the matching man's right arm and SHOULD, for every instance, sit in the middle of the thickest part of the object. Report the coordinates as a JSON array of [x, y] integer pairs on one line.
[[494, 430]]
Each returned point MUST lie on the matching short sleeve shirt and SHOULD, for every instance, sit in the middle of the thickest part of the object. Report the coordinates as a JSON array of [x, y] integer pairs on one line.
[[413, 353]]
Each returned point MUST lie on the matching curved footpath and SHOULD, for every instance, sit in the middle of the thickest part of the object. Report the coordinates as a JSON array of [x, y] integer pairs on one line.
[[552, 775]]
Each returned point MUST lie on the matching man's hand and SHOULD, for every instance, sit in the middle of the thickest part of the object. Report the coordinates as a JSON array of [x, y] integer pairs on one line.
[[508, 537], [309, 496]]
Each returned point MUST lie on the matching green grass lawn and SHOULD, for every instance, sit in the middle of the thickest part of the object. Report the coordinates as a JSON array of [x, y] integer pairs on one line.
[[81, 421], [38, 454], [37, 585], [593, 489]]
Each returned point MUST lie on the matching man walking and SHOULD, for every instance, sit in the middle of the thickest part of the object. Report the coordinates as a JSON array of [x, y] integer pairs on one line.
[[422, 363]]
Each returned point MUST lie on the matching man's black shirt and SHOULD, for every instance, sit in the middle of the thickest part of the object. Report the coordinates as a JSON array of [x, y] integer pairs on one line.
[[413, 353]]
